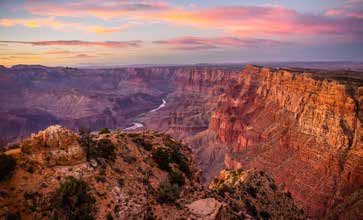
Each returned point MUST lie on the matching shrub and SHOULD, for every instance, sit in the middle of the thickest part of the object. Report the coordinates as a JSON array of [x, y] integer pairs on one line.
[[273, 186], [7, 166], [109, 216], [181, 161], [143, 143], [288, 194], [129, 159], [167, 192], [251, 209], [73, 200], [162, 158], [104, 131], [25, 148], [176, 177], [252, 191], [222, 189], [86, 142], [170, 143], [105, 149], [13, 216], [265, 215]]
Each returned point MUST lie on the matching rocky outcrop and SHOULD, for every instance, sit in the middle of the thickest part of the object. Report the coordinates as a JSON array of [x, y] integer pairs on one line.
[[144, 175], [54, 146], [205, 208]]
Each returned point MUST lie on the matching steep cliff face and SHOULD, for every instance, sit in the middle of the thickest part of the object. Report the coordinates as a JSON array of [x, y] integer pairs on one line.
[[305, 132]]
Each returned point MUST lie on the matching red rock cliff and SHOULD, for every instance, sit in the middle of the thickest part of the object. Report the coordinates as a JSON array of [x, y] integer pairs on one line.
[[305, 132]]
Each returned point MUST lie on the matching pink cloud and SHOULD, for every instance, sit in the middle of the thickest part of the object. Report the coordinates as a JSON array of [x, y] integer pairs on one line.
[[105, 10], [344, 13], [197, 43], [111, 44], [242, 21]]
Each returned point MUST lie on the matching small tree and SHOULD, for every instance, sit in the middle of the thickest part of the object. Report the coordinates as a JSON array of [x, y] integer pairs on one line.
[[176, 177], [167, 192], [86, 141], [73, 200], [7, 166], [105, 149], [104, 131], [162, 158]]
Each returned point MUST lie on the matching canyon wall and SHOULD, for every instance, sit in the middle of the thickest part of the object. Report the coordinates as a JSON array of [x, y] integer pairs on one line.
[[303, 127], [305, 132]]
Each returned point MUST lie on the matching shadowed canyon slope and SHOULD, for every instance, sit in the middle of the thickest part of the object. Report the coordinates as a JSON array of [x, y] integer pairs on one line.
[[303, 127]]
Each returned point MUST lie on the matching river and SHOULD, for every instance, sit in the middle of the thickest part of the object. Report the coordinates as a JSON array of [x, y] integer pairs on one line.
[[137, 125]]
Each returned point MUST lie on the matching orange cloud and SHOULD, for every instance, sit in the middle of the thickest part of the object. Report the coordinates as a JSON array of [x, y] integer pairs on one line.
[[58, 25], [243, 21], [104, 10], [111, 44], [344, 13]]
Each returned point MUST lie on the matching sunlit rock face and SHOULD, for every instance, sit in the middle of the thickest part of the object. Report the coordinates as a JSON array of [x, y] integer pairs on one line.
[[54, 146], [303, 130]]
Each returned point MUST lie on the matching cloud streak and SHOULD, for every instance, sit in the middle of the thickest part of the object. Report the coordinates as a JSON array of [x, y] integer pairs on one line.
[[108, 44], [66, 26], [198, 43]]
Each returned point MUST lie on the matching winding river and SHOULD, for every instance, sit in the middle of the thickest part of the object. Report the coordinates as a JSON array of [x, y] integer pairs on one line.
[[137, 125]]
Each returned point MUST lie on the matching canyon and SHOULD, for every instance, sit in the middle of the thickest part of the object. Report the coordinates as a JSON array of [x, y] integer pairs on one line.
[[300, 126]]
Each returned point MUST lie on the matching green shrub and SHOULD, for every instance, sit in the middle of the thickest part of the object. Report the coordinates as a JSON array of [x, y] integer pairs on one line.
[[13, 216], [105, 149], [73, 200], [252, 191], [129, 159], [162, 158], [109, 216], [265, 215], [181, 161], [273, 186], [7, 166], [86, 141], [251, 209], [143, 143], [104, 131], [176, 177], [132, 135], [222, 189], [170, 143], [26, 149], [167, 192]]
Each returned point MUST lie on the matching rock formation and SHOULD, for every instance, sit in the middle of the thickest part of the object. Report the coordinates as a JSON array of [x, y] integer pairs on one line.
[[144, 175]]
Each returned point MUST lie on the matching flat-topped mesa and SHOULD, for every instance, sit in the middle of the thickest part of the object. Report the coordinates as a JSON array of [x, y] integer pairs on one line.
[[305, 131], [54, 146]]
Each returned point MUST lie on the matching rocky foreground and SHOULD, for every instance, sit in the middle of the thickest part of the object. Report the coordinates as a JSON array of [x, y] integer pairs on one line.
[[114, 175]]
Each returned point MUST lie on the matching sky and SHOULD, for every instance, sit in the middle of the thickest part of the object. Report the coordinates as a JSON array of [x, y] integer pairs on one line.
[[127, 32]]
